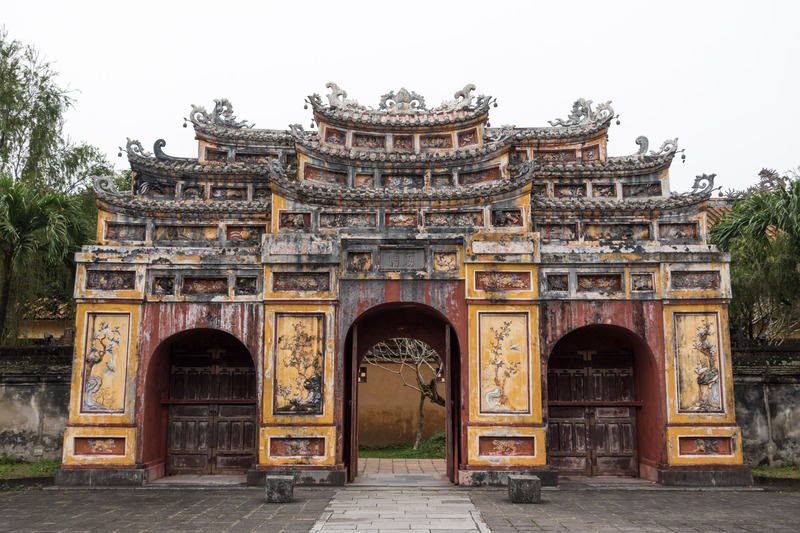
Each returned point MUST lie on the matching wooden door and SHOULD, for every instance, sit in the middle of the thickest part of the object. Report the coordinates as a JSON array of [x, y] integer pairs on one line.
[[212, 412], [592, 413]]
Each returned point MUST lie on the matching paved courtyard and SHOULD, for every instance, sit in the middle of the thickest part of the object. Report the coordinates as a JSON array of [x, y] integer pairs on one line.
[[427, 509]]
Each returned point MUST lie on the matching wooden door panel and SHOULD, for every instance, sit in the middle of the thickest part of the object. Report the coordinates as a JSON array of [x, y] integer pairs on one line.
[[206, 433], [589, 434]]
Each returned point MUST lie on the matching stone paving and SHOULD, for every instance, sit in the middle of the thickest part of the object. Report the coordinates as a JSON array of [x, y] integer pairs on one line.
[[368, 466], [576, 506]]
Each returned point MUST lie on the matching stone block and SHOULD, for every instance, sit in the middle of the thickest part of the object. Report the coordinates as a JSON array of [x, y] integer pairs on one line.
[[524, 489], [280, 489]]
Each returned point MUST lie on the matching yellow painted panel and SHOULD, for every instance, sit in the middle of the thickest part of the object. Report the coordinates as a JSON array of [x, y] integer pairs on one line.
[[696, 337], [105, 446], [103, 389], [269, 283], [504, 371], [505, 443], [706, 439], [299, 445], [298, 351]]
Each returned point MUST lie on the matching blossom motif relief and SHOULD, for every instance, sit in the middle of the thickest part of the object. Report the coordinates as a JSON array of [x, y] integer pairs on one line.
[[697, 347], [504, 355], [299, 363], [105, 363]]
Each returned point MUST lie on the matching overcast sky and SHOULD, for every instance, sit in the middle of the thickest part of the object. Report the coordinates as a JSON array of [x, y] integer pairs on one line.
[[721, 76]]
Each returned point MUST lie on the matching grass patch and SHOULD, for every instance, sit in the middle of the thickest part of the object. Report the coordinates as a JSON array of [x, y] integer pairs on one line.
[[785, 471], [11, 469], [434, 448]]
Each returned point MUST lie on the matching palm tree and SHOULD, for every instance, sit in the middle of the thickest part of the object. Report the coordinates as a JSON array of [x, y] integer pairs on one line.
[[761, 216], [47, 225]]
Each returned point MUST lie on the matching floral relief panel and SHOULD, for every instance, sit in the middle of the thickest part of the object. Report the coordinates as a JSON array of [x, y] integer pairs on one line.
[[299, 364], [504, 362], [697, 353], [105, 363]]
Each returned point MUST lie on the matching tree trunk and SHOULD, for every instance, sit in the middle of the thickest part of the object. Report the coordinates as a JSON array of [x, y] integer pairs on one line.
[[4, 299], [421, 420]]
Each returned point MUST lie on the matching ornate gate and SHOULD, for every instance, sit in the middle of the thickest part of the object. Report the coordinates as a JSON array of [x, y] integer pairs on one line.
[[212, 412], [592, 417]]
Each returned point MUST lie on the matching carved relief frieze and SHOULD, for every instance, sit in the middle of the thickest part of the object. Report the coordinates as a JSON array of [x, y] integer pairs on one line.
[[507, 446], [228, 193], [295, 220], [558, 232], [642, 282], [262, 193], [125, 232], [193, 192], [695, 280], [436, 141], [186, 233], [301, 281], [502, 281], [359, 261], [250, 158], [539, 189], [603, 283], [372, 142], [559, 156], [604, 190], [445, 261], [335, 136], [591, 153], [576, 190], [245, 285], [441, 179], [393, 220], [403, 180], [557, 282], [163, 286], [99, 446], [480, 176], [705, 446], [365, 180], [348, 220], [216, 156], [617, 232], [467, 138], [322, 175], [244, 234], [204, 286], [641, 190], [684, 231], [507, 218], [297, 447], [453, 219], [403, 142], [111, 280], [154, 189]]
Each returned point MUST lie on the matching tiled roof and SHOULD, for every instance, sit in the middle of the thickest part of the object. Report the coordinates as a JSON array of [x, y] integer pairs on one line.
[[576, 205], [139, 206]]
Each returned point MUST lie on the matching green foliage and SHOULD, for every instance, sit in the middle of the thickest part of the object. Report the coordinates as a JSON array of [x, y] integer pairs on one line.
[[37, 232], [433, 448], [12, 469], [762, 233], [785, 471], [33, 148]]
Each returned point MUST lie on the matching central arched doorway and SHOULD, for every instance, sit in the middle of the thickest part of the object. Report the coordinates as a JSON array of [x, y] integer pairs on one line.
[[402, 320], [206, 385], [599, 380]]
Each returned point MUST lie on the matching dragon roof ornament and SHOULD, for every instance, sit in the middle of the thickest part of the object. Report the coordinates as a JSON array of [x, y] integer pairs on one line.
[[134, 148], [221, 116], [583, 114], [703, 186], [402, 101]]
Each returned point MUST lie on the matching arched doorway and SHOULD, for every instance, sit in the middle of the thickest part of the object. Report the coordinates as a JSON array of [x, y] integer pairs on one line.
[[402, 320], [201, 404], [600, 416]]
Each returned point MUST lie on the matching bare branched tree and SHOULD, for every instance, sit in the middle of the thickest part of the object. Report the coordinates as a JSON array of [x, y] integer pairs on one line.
[[396, 355]]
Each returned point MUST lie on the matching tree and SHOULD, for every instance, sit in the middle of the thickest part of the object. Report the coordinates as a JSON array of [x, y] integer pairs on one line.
[[34, 226], [396, 355], [762, 233], [33, 147]]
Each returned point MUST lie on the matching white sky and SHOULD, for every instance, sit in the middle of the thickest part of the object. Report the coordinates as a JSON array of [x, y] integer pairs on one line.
[[722, 76]]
